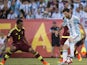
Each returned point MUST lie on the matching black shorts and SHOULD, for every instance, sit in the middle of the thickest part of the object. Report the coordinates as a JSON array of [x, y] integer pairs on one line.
[[56, 42], [79, 43]]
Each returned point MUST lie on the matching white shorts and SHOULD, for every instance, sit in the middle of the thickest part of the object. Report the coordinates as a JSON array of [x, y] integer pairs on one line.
[[75, 40]]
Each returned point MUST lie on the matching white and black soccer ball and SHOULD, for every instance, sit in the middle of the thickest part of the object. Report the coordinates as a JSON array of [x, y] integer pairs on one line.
[[69, 60]]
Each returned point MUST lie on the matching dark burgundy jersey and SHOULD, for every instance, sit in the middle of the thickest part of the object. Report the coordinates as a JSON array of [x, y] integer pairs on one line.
[[16, 34]]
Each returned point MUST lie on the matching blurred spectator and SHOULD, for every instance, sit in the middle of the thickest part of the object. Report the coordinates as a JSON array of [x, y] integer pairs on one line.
[[1, 13], [22, 14], [42, 5], [83, 2], [47, 8], [46, 15], [67, 5], [17, 7], [5, 12], [13, 5], [34, 5], [81, 10], [11, 15], [85, 12], [61, 6], [76, 4], [81, 6], [38, 15], [25, 7], [56, 14], [9, 3], [30, 15], [77, 12], [1, 6], [52, 4]]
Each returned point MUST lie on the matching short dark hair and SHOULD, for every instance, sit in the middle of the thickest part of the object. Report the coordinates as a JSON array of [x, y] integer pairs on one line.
[[54, 22], [18, 21], [66, 10]]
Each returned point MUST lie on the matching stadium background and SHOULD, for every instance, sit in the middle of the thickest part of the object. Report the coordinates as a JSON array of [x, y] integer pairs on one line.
[[38, 35], [37, 26]]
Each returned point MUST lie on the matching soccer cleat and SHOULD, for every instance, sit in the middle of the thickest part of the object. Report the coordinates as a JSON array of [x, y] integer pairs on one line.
[[79, 57], [60, 60], [62, 63], [1, 63], [45, 63]]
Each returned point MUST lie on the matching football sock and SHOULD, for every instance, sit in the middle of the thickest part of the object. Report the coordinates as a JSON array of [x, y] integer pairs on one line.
[[71, 49], [65, 53], [38, 56], [6, 56]]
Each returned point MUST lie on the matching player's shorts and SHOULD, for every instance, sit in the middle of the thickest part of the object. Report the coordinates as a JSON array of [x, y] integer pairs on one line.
[[22, 46], [75, 40], [79, 43], [56, 42]]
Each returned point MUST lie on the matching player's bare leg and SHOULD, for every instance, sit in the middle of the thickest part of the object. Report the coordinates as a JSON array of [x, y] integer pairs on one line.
[[52, 53], [65, 50], [38, 56], [78, 54], [65, 53]]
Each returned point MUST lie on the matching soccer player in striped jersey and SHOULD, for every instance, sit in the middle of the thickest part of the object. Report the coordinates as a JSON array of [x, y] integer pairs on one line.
[[72, 22]]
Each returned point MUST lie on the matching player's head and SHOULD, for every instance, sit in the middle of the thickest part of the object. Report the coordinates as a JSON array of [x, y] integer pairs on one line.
[[67, 13], [54, 23], [19, 23]]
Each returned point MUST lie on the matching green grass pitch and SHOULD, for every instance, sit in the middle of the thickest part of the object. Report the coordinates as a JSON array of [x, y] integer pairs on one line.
[[34, 61]]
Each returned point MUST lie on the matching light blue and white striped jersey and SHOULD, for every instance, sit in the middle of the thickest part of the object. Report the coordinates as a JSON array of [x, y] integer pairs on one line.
[[73, 25]]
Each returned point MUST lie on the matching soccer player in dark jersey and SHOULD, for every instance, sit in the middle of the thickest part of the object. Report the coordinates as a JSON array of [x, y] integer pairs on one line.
[[79, 43], [20, 43]]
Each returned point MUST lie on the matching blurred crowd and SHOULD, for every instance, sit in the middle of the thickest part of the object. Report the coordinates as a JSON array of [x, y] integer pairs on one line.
[[38, 9]]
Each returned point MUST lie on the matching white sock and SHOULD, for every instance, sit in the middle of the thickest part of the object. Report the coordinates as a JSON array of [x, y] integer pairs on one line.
[[72, 49], [65, 53]]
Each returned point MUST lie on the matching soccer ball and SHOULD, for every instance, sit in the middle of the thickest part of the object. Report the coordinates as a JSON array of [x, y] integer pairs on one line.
[[69, 60], [1, 63]]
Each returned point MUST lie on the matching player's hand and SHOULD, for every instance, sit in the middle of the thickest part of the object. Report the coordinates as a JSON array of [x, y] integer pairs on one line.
[[56, 33]]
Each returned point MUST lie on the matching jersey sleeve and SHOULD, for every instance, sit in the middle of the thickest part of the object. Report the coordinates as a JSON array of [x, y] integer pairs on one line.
[[51, 29], [64, 22], [77, 20], [10, 33]]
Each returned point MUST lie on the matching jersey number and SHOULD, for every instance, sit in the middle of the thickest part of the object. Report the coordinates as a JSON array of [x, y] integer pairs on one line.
[[19, 37]]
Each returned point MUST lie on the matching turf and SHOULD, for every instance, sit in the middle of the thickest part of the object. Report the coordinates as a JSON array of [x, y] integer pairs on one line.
[[33, 61]]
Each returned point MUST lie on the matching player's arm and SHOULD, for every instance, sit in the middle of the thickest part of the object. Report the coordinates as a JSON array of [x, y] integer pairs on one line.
[[8, 36], [61, 28], [24, 38], [83, 30], [52, 31]]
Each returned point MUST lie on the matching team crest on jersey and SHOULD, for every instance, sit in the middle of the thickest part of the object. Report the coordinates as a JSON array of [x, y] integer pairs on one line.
[[16, 34]]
